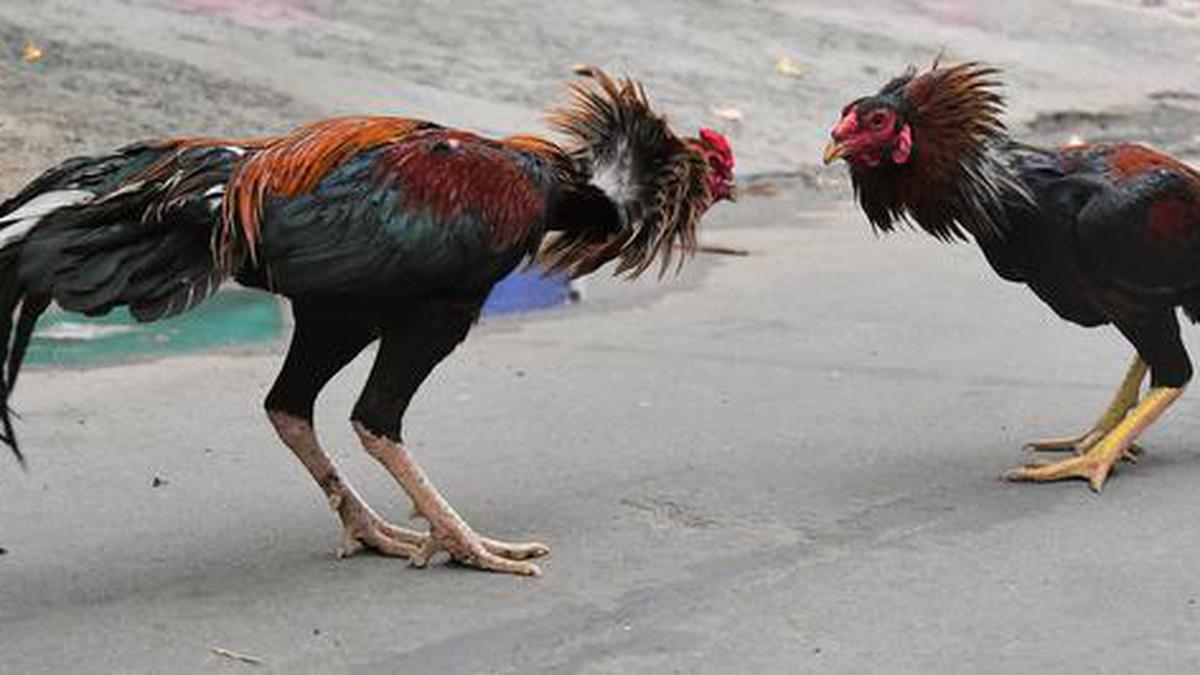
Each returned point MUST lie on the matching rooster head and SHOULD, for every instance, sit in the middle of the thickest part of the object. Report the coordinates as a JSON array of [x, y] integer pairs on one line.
[[923, 149], [718, 155], [949, 111], [874, 129]]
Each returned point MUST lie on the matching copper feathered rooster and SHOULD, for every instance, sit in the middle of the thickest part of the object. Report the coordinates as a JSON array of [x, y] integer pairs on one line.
[[1103, 233], [376, 228]]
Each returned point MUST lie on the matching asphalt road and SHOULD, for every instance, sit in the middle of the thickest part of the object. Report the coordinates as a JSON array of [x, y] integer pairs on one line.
[[786, 462]]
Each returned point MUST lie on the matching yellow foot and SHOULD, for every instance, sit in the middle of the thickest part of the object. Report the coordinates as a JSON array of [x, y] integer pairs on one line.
[[1097, 463], [1087, 467], [1081, 444], [1125, 400], [1077, 444]]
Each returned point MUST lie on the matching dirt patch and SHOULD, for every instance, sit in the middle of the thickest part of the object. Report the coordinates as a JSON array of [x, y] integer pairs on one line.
[[91, 97], [1169, 120]]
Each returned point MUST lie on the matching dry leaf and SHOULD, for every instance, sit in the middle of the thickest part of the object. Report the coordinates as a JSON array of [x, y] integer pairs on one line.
[[727, 113], [244, 658], [31, 53], [789, 67], [760, 189]]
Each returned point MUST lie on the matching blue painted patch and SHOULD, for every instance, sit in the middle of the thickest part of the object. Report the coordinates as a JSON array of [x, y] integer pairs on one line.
[[526, 290]]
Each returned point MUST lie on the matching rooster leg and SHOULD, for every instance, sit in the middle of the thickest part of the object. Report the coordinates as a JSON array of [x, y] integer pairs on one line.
[[1095, 465], [324, 340], [408, 351], [361, 526], [1125, 400], [450, 533]]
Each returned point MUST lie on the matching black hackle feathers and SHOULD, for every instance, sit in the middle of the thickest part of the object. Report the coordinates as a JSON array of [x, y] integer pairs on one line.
[[957, 182], [657, 183]]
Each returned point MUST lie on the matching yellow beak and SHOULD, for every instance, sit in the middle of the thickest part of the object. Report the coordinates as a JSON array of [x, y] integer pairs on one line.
[[834, 151], [733, 192]]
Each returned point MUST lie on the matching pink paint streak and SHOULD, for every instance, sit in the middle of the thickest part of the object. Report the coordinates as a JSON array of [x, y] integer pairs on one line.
[[254, 13]]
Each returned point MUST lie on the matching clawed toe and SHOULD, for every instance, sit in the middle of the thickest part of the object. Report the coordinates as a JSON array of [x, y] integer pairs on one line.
[[381, 537], [515, 551], [1094, 471], [1075, 444], [471, 550]]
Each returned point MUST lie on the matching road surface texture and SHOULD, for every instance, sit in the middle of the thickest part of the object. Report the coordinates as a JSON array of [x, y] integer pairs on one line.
[[785, 462]]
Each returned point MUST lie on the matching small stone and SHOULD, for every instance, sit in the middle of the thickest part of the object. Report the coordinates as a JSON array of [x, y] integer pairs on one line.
[[158, 482]]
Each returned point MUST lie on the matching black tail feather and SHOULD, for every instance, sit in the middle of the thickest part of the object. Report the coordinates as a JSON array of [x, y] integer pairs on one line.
[[31, 310], [142, 238], [10, 300]]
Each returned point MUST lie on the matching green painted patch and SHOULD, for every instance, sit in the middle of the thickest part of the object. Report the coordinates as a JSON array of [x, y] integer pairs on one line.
[[234, 317], [230, 318]]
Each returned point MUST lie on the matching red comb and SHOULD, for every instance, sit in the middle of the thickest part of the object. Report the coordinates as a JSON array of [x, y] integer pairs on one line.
[[717, 141]]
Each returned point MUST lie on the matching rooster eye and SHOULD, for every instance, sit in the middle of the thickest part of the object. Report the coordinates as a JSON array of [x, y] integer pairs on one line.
[[877, 121]]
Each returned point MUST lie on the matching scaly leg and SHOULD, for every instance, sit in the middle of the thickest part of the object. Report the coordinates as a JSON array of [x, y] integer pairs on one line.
[[1095, 465], [448, 531], [1125, 400], [410, 347], [361, 526], [325, 339]]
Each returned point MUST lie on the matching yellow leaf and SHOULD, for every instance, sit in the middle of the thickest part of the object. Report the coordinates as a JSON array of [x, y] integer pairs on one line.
[[789, 67], [31, 53]]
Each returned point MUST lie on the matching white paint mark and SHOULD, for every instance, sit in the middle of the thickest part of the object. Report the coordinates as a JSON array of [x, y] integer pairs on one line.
[[82, 331]]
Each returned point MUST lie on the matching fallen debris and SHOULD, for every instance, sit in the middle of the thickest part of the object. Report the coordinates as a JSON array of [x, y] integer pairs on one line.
[[236, 656], [159, 482], [730, 114], [717, 249], [31, 53], [759, 189], [789, 67]]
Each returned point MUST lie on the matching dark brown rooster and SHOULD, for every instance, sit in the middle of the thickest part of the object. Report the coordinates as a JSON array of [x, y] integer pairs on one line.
[[1104, 234], [376, 228]]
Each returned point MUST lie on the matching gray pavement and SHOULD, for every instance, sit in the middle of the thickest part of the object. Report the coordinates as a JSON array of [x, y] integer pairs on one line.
[[780, 463]]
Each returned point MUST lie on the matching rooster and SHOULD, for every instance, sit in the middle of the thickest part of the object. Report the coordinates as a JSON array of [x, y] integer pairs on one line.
[[1105, 234], [375, 228]]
